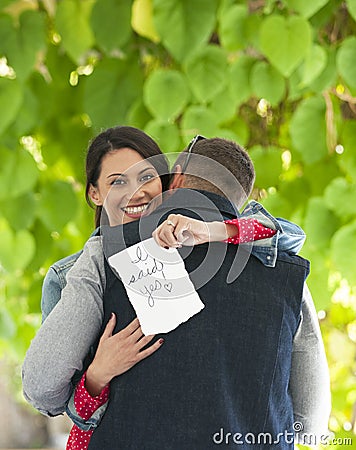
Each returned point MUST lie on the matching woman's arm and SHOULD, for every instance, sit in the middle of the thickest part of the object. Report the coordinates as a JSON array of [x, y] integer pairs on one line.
[[62, 343], [180, 230], [309, 380]]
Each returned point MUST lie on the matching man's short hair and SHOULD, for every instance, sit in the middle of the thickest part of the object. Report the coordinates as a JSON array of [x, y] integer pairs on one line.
[[226, 153]]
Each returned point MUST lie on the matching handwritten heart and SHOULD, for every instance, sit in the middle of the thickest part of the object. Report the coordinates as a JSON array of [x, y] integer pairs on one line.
[[168, 287]]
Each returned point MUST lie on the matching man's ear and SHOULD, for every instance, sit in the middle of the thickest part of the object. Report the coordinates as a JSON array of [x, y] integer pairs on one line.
[[177, 178], [95, 196]]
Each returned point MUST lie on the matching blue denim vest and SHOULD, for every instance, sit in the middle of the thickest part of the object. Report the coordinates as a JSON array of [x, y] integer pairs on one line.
[[221, 376], [289, 237]]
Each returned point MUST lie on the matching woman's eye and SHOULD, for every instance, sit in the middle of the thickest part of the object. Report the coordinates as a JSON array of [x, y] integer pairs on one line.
[[147, 177], [118, 182]]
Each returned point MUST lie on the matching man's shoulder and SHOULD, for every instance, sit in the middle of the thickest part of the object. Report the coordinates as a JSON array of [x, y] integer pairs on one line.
[[297, 260]]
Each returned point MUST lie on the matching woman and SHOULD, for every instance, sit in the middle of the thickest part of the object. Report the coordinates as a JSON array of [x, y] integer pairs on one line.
[[116, 162]]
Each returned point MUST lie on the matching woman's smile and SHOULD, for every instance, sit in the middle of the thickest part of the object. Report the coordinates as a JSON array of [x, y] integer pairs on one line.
[[135, 212]]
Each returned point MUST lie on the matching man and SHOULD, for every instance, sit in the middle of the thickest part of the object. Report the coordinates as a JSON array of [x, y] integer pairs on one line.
[[225, 375]]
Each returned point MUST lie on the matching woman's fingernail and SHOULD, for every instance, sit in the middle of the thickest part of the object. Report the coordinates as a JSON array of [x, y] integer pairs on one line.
[[166, 247], [161, 341]]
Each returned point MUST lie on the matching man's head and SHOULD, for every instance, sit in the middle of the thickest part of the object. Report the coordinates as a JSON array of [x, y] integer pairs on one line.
[[215, 165]]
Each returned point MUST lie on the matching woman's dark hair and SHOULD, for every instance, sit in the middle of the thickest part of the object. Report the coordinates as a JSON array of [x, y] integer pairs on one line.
[[114, 139]]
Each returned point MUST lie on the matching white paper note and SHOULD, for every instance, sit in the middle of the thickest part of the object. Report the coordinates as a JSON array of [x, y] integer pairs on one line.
[[158, 286]]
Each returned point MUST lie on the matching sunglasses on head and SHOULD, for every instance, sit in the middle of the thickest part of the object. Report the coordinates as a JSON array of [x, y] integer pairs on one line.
[[197, 138]]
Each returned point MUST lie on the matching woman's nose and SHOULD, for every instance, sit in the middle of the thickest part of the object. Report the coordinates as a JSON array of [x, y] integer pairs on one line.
[[136, 193]]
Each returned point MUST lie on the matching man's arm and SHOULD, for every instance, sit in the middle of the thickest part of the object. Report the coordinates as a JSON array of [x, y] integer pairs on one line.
[[309, 381], [63, 341]]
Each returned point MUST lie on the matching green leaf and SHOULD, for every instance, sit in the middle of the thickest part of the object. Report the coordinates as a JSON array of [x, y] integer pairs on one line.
[[22, 44], [223, 105], [241, 130], [33, 294], [341, 315], [229, 134], [5, 3], [343, 251], [57, 205], [345, 58], [206, 72], [44, 246], [320, 174], [142, 20], [184, 25], [72, 21], [75, 138], [7, 325], [318, 280], [325, 15], [137, 115], [166, 94], [31, 39], [267, 83], [20, 211], [347, 160], [111, 89], [306, 8], [239, 79], [166, 135], [319, 224], [18, 173], [268, 165], [308, 130], [328, 76], [116, 15], [253, 23], [7, 35], [28, 116], [294, 88], [17, 249], [10, 101], [277, 205], [351, 6], [198, 120], [340, 196], [314, 64], [232, 27], [285, 41], [295, 191]]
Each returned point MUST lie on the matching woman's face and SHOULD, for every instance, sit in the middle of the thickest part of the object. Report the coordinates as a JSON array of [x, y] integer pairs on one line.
[[127, 186]]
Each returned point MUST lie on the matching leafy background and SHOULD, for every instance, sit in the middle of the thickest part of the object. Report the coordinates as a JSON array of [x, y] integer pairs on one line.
[[278, 76]]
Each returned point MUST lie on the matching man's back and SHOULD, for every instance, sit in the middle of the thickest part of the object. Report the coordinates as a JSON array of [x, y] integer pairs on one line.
[[221, 376]]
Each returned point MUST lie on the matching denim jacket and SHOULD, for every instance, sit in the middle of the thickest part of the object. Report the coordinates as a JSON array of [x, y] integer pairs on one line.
[[289, 237]]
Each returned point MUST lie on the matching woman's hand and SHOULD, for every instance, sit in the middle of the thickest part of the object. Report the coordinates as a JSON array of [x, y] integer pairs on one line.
[[117, 353], [180, 230]]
